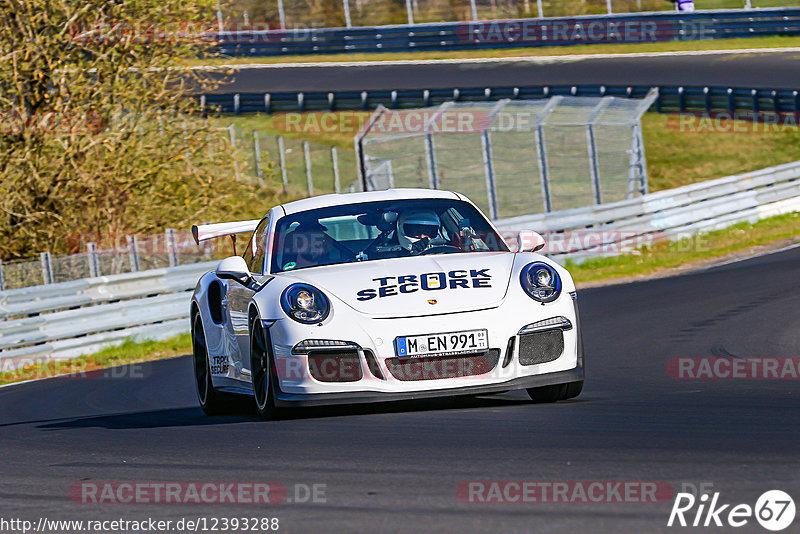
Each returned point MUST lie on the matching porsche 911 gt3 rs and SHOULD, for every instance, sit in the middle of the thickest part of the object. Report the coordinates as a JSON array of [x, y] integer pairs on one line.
[[381, 296]]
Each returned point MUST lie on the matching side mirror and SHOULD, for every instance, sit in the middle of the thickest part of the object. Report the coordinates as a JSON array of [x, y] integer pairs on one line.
[[234, 268], [529, 241]]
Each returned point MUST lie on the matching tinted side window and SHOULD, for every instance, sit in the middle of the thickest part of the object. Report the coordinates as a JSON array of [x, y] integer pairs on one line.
[[258, 246]]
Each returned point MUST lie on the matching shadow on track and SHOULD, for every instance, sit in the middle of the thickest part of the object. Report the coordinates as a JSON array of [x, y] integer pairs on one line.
[[244, 412]]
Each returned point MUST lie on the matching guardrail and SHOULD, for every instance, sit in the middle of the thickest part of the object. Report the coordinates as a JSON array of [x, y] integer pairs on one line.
[[673, 213], [80, 317], [671, 99], [72, 318], [492, 34]]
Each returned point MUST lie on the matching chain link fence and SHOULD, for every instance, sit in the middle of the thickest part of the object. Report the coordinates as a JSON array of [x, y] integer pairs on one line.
[[300, 14], [512, 157]]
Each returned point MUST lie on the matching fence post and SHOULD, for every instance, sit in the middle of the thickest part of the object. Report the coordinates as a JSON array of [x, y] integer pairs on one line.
[[540, 8], [346, 6], [133, 253], [337, 185], [410, 12], [257, 153], [281, 14], [747, 4], [2, 277], [172, 248], [594, 168], [282, 160], [430, 156], [474, 9], [232, 131], [608, 6], [94, 264], [491, 191], [47, 267], [307, 154]]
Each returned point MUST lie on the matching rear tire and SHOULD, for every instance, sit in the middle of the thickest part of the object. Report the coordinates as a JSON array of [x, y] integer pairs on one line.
[[262, 371], [555, 392], [211, 401]]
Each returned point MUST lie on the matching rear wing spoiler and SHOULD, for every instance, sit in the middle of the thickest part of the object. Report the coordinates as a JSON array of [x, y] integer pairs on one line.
[[203, 232]]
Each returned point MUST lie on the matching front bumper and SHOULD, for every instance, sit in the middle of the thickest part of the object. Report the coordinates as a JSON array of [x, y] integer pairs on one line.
[[290, 400], [375, 338]]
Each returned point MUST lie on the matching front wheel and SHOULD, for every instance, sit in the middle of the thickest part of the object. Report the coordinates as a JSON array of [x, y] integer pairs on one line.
[[555, 392], [261, 364]]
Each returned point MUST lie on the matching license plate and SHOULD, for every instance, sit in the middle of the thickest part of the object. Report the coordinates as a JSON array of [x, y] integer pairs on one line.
[[449, 344]]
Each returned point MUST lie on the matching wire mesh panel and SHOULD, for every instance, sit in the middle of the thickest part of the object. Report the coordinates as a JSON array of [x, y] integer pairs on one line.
[[513, 157]]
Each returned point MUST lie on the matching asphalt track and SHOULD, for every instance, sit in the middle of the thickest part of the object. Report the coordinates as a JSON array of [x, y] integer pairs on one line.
[[768, 70], [396, 468]]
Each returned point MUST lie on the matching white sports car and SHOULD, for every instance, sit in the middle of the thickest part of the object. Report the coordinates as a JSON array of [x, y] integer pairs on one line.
[[381, 296]]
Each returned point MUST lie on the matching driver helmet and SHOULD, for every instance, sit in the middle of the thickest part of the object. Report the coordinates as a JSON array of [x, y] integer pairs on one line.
[[415, 225]]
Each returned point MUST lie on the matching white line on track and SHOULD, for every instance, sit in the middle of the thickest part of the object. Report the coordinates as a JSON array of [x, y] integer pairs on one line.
[[542, 60]]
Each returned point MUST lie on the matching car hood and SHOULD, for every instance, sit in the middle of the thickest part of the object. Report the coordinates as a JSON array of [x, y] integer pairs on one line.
[[422, 285]]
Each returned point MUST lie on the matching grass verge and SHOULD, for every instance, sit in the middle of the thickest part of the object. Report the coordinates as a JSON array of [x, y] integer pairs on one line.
[[623, 48], [684, 253], [128, 352]]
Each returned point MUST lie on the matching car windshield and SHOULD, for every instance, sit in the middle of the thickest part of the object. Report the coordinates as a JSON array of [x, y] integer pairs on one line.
[[381, 230]]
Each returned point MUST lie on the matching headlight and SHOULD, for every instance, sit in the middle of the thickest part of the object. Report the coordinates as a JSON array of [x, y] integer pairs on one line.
[[540, 281], [305, 304]]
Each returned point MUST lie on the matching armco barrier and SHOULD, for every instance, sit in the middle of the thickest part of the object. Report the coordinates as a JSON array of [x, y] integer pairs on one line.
[[588, 29], [72, 318], [671, 99], [675, 213]]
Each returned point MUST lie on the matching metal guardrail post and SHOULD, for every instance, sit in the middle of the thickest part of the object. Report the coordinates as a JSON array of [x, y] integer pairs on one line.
[[172, 248], [540, 8], [430, 158], [47, 268], [609, 8], [94, 264], [257, 156], [337, 186], [491, 189], [474, 10], [282, 161], [309, 180], [2, 277], [133, 253]]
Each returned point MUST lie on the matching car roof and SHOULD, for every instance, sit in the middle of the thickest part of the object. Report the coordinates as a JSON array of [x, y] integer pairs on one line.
[[369, 196]]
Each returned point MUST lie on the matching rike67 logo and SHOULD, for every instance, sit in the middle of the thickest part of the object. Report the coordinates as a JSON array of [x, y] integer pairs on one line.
[[774, 510]]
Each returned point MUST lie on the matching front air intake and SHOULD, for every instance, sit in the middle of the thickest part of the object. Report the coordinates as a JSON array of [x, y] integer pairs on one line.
[[438, 367], [340, 366], [540, 348]]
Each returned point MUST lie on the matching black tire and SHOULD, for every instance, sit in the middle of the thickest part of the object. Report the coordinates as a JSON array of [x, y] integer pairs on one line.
[[211, 401], [555, 392], [262, 371]]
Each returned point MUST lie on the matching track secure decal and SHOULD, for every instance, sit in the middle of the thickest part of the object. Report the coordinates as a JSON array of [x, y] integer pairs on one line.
[[389, 286]]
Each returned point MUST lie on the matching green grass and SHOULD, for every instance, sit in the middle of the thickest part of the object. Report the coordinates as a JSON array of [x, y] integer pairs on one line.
[[625, 48], [672, 254], [128, 352]]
